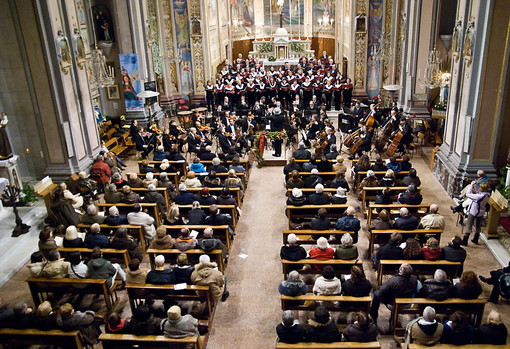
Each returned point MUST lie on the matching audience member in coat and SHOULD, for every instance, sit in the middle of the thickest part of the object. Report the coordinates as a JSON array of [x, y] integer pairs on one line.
[[322, 328], [320, 222], [100, 268], [426, 330], [327, 284], [347, 250], [138, 217], [135, 274], [493, 332], [391, 250], [159, 275], [289, 330], [349, 222], [179, 326], [318, 198], [468, 287], [439, 288], [458, 331], [357, 285], [162, 241], [46, 241], [454, 252], [207, 274], [431, 250], [95, 238], [121, 241], [293, 286], [406, 221], [115, 218], [55, 267], [362, 330]]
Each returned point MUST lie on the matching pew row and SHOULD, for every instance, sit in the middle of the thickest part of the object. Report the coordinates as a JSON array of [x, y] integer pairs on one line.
[[172, 254]]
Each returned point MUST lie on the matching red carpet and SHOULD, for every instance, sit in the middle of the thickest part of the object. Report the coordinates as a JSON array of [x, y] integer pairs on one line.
[[505, 223]]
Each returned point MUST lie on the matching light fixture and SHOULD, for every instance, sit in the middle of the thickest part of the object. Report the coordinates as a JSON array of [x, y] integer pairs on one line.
[[433, 75], [102, 74]]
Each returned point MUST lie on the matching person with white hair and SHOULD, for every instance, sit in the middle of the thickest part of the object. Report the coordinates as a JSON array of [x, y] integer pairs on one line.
[[322, 252], [112, 195], [406, 221], [293, 286], [433, 220], [206, 273], [114, 217], [95, 238], [149, 179], [319, 198], [165, 182], [349, 222], [74, 199], [289, 330], [369, 181], [159, 275], [339, 197], [159, 153], [411, 196], [296, 198], [92, 216], [292, 251], [153, 197], [134, 181], [208, 243], [302, 153], [425, 330], [314, 179], [71, 238], [493, 332], [346, 250], [184, 197], [216, 166], [138, 217], [438, 288]]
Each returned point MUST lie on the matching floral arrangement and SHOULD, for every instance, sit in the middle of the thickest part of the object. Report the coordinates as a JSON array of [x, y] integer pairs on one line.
[[259, 144], [441, 106], [266, 47], [271, 58], [295, 47]]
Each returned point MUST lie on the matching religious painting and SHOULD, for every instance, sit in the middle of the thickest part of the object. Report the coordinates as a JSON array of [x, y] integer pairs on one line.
[[103, 23], [375, 22], [323, 13], [361, 23], [63, 52], [223, 12], [113, 92], [182, 36], [79, 49], [131, 84], [195, 27], [81, 12], [292, 12], [241, 12]]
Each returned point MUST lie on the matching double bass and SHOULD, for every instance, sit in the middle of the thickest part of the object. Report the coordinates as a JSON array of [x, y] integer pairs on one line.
[[350, 138], [384, 135], [394, 144]]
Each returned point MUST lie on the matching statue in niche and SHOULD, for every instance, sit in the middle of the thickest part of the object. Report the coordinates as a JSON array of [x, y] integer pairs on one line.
[[5, 146], [469, 43], [63, 52], [103, 23], [457, 40]]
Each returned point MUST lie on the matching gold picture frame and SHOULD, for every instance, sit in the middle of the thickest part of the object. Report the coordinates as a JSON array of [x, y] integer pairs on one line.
[[113, 92]]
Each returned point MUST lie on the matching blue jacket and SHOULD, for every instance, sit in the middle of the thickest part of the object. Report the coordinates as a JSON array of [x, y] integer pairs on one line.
[[197, 168], [159, 155], [96, 240], [348, 223]]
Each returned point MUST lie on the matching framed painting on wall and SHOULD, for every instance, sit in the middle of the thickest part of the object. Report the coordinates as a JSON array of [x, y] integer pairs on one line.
[[113, 91]]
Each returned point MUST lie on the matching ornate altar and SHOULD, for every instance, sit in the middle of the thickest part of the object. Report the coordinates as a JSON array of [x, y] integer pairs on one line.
[[281, 47]]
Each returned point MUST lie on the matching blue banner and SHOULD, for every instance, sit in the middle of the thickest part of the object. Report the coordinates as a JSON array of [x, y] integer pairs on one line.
[[131, 84]]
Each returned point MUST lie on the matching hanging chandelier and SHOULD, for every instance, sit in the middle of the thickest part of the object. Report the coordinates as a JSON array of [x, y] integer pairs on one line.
[[102, 74], [433, 75]]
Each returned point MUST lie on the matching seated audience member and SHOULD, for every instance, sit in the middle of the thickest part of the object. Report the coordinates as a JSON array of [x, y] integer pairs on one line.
[[45, 318], [293, 286], [468, 287], [388, 180], [138, 217], [183, 269], [391, 250], [196, 166], [405, 221], [454, 252], [412, 178], [289, 330], [173, 215], [323, 165], [433, 220], [149, 179], [410, 197], [100, 171], [402, 285], [159, 275], [346, 250], [307, 166], [207, 154], [159, 153], [135, 274], [394, 165], [291, 167], [212, 180], [112, 196], [412, 249], [431, 250], [122, 241], [192, 181], [425, 330], [217, 218], [384, 198], [363, 164], [405, 164], [205, 197], [165, 182], [493, 332], [378, 165], [115, 324], [333, 153], [142, 323], [321, 221], [339, 165], [494, 281], [349, 223], [369, 181], [302, 153], [76, 200], [233, 181], [134, 181], [339, 197], [46, 241], [162, 241], [95, 238], [71, 238], [36, 263], [184, 197], [382, 222], [294, 181], [225, 198], [318, 198], [20, 316], [357, 285], [179, 326], [208, 243], [92, 216], [339, 182], [236, 166], [327, 284], [130, 197], [100, 268], [458, 331], [321, 252], [196, 215], [152, 196], [70, 320], [296, 198], [185, 242], [314, 179], [114, 217], [292, 251], [362, 330], [439, 288], [216, 166], [206, 273], [322, 328], [77, 268]]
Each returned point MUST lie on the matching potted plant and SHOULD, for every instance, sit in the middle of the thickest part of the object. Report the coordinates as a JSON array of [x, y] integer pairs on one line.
[[27, 196]]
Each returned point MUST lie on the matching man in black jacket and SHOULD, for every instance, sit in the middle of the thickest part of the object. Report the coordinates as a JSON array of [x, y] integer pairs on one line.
[[406, 221], [454, 252], [391, 250], [319, 198]]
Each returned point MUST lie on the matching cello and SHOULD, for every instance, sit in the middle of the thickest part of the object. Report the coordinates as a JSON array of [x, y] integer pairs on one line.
[[350, 138], [394, 144]]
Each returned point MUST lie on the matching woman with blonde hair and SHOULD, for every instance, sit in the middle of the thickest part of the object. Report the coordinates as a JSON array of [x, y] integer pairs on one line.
[[191, 180], [493, 332], [388, 180], [339, 165]]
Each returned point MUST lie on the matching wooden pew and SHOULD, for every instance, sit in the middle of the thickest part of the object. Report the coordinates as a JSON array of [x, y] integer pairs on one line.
[[125, 341], [347, 303], [370, 193], [423, 235], [235, 192], [451, 346], [174, 176], [327, 177], [39, 287], [245, 163], [355, 161], [162, 191], [115, 146], [219, 232], [151, 209], [230, 209], [334, 345], [310, 211], [472, 307], [13, 338], [308, 191], [135, 231], [138, 293], [111, 254], [305, 236], [341, 266], [180, 165], [420, 267], [171, 256], [379, 174], [423, 209]]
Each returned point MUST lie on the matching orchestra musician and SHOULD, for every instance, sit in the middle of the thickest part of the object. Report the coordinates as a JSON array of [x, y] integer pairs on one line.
[[225, 140], [366, 144], [407, 134], [277, 120], [209, 95], [330, 138], [194, 141]]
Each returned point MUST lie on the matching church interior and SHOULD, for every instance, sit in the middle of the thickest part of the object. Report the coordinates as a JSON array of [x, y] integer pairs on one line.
[[232, 174]]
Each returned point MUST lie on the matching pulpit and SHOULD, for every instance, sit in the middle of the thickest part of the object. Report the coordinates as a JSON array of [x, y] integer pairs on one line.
[[498, 204]]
